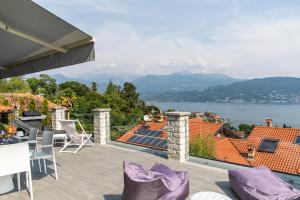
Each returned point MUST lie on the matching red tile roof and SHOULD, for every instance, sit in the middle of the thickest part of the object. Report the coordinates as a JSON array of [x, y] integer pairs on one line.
[[6, 109], [155, 126], [226, 151], [198, 127], [286, 158]]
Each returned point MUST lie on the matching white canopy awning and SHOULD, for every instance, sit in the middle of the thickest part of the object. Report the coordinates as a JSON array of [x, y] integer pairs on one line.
[[33, 39]]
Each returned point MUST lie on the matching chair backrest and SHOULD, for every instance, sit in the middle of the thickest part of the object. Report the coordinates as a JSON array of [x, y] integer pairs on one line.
[[47, 142], [22, 125], [70, 127], [15, 158], [33, 134]]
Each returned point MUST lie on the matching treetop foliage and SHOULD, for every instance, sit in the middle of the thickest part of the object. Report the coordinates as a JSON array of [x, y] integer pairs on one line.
[[80, 99]]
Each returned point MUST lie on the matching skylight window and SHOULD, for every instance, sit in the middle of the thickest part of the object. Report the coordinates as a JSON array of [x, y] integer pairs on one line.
[[268, 145], [297, 141]]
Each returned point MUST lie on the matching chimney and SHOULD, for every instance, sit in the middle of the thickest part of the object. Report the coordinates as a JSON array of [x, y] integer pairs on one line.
[[251, 152], [269, 122]]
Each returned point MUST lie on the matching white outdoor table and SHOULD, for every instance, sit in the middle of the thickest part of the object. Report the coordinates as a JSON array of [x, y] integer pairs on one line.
[[6, 182], [208, 196]]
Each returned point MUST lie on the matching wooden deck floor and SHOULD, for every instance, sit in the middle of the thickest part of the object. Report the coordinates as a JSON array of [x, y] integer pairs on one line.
[[96, 173]]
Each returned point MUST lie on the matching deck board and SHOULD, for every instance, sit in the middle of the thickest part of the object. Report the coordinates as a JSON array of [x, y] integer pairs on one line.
[[96, 173]]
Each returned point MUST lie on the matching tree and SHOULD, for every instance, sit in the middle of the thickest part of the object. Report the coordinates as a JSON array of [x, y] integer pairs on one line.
[[45, 111], [34, 84], [111, 88], [17, 84], [246, 128], [45, 107], [129, 93], [171, 110], [204, 146], [78, 88], [229, 125], [32, 105], [5, 102], [43, 85], [94, 87], [67, 98], [49, 86]]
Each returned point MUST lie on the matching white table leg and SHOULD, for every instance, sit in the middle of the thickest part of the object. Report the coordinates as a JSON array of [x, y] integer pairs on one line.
[[45, 167], [19, 182], [27, 179], [40, 165]]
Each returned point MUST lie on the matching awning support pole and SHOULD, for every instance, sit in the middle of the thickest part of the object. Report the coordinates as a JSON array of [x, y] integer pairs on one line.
[[31, 38]]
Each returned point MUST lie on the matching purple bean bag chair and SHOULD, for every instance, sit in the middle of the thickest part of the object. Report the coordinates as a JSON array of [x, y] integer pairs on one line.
[[160, 183], [261, 184]]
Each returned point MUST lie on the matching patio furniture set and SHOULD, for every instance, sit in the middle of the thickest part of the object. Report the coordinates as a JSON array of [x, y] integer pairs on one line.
[[18, 152], [17, 156]]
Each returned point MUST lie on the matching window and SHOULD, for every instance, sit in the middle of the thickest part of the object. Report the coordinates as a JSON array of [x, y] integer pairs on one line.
[[297, 141], [268, 145]]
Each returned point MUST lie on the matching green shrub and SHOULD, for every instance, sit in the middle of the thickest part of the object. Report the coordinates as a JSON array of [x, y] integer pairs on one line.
[[204, 146]]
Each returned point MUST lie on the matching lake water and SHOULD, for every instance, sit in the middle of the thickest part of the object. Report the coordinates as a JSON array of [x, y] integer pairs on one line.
[[241, 113]]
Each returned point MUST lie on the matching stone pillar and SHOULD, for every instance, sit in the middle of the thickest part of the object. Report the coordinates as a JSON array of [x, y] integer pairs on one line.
[[58, 114], [178, 135], [102, 125]]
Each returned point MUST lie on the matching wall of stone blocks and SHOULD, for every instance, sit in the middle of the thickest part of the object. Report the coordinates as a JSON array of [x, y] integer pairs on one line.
[[178, 135]]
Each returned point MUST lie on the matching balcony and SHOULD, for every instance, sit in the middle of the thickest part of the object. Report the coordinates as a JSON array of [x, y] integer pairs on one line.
[[96, 173]]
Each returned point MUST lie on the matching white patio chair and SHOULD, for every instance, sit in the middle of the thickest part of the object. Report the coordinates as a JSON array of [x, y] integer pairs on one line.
[[60, 138], [15, 159], [45, 151], [78, 140]]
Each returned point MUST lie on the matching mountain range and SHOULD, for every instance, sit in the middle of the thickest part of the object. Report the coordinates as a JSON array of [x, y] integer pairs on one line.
[[147, 84], [178, 82], [264, 90], [201, 87]]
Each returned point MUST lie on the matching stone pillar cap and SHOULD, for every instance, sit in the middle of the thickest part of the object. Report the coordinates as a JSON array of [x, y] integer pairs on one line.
[[178, 114], [101, 110], [59, 108]]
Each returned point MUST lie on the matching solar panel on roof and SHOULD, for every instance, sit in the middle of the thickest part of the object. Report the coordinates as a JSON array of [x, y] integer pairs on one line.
[[156, 142], [142, 131], [131, 138], [149, 141], [163, 144], [137, 139], [150, 133], [157, 134], [143, 140]]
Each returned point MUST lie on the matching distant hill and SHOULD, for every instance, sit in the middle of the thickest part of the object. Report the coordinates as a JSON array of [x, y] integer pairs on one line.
[[265, 90], [153, 84], [178, 82], [101, 79], [202, 87]]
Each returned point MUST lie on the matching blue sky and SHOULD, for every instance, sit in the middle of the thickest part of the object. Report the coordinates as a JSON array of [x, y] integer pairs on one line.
[[244, 39]]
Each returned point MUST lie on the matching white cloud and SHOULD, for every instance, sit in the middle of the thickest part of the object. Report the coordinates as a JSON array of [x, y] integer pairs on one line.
[[244, 48]]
